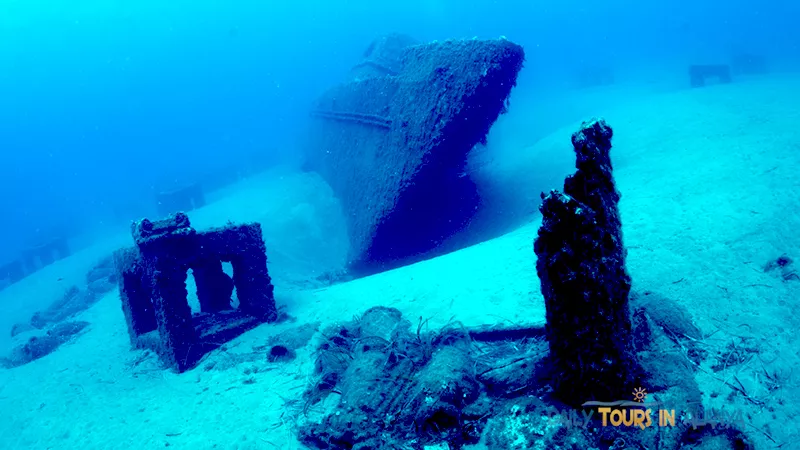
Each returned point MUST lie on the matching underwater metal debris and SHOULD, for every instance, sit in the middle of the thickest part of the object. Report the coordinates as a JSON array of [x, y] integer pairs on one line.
[[152, 284]]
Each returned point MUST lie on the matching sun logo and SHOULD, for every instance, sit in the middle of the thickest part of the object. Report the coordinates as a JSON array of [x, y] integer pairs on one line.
[[639, 394]]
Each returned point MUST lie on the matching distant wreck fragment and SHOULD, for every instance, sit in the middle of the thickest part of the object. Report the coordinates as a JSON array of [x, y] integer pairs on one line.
[[393, 141], [699, 74], [152, 284], [33, 259], [184, 198]]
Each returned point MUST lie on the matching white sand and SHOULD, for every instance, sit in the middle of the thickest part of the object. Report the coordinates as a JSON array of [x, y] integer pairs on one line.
[[710, 194]]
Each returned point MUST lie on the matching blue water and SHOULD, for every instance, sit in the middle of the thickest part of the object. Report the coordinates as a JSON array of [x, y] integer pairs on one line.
[[104, 102]]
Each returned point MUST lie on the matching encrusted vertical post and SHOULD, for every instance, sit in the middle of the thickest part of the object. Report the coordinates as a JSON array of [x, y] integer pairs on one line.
[[253, 284], [12, 272], [581, 266], [174, 315], [135, 293], [166, 248]]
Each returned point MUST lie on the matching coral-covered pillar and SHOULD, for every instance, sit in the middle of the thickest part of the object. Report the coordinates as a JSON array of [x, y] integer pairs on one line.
[[250, 276], [581, 266]]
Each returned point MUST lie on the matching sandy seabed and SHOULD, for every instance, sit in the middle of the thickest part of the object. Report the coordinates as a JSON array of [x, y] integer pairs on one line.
[[709, 195]]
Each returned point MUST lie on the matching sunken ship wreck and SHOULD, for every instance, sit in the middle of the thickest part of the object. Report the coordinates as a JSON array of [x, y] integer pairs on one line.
[[392, 141]]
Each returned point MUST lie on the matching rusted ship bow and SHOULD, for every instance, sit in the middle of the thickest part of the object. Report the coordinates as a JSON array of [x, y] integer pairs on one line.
[[393, 141]]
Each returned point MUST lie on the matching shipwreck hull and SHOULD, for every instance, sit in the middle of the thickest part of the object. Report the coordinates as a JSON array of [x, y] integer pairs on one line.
[[393, 142]]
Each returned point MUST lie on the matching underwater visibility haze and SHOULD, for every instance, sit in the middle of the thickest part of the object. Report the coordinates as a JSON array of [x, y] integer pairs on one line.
[[399, 225]]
